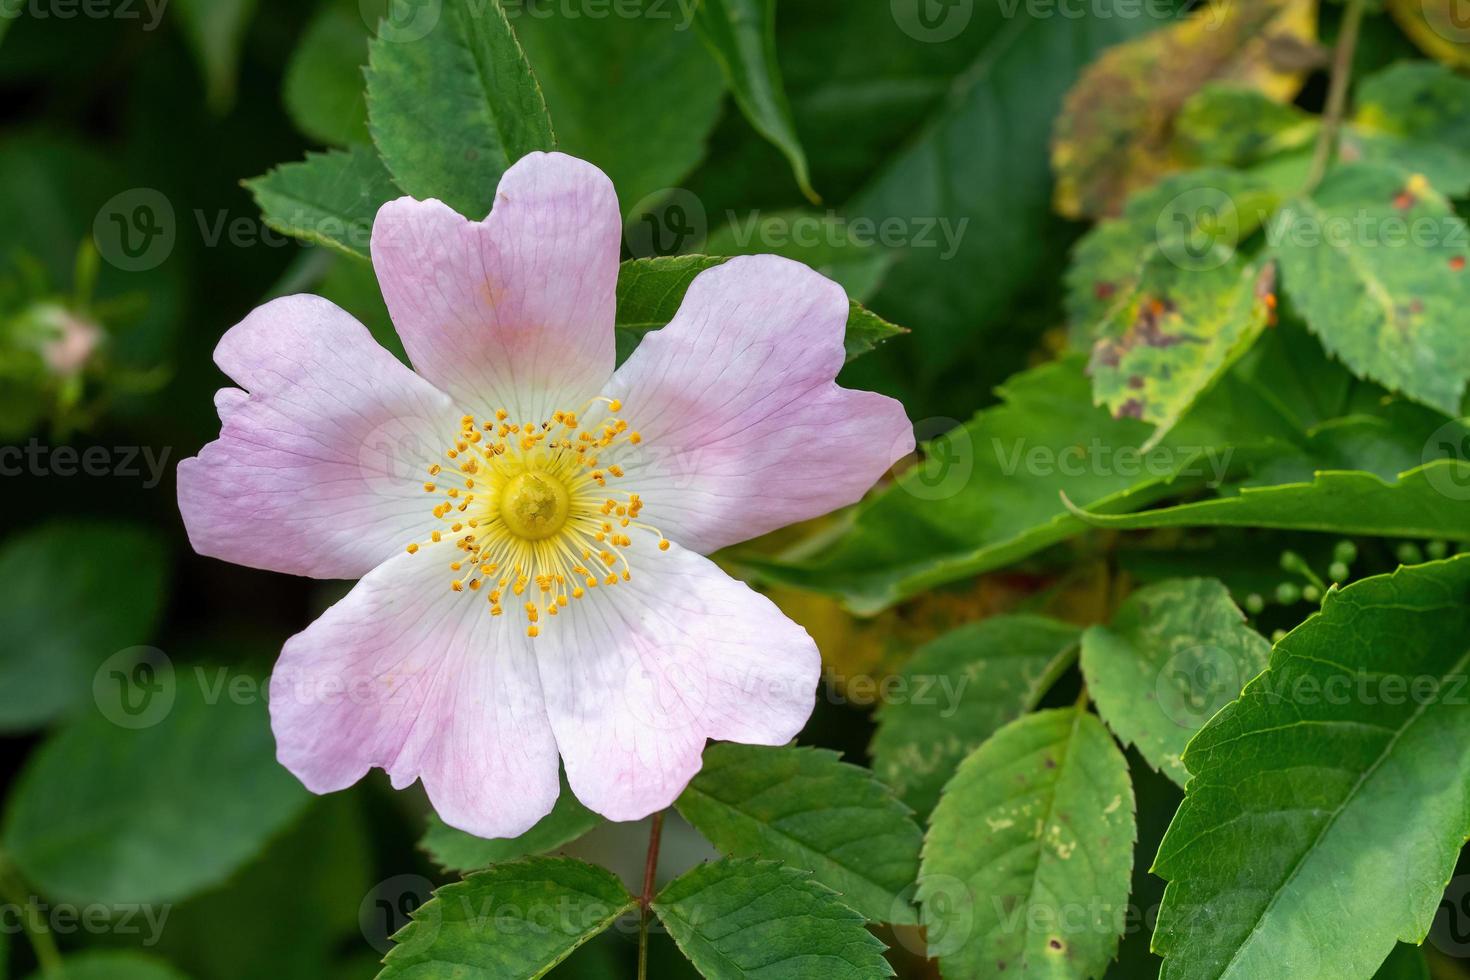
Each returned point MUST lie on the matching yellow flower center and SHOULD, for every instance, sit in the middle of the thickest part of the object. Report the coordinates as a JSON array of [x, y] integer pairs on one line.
[[534, 505], [528, 508]]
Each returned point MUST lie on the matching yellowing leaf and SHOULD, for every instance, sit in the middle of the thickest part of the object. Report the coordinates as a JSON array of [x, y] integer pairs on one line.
[[1116, 131], [1438, 27], [1173, 338]]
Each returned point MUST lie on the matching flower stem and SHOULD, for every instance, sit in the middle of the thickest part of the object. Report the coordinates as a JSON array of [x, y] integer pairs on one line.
[[1337, 88], [655, 831], [14, 890]]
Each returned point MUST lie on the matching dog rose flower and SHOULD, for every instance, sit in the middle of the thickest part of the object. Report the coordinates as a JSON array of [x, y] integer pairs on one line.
[[528, 523]]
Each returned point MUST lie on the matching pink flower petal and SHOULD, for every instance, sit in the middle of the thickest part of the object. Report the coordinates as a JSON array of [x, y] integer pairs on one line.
[[638, 675], [743, 428], [319, 469], [405, 675], [515, 311]]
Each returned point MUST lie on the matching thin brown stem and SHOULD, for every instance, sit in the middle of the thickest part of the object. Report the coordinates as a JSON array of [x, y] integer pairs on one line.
[[650, 868], [1337, 89]]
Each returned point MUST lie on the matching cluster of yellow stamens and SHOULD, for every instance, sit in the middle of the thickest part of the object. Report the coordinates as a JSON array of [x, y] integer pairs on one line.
[[528, 508]]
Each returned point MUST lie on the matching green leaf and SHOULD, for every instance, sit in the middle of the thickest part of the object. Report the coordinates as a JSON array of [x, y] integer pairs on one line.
[[866, 330], [1425, 502], [1180, 330], [314, 876], [1175, 653], [809, 810], [1029, 854], [1376, 266], [216, 31], [455, 850], [1398, 124], [739, 919], [323, 87], [1418, 100], [452, 102], [1413, 116], [741, 34], [329, 198], [76, 592], [1327, 806], [974, 176], [1231, 126], [156, 811], [650, 291], [601, 75], [958, 690], [513, 921], [110, 966], [989, 493]]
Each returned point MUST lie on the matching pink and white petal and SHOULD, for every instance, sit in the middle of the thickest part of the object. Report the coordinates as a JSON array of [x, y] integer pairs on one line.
[[515, 311], [226, 400], [320, 462], [744, 429], [638, 675], [405, 675]]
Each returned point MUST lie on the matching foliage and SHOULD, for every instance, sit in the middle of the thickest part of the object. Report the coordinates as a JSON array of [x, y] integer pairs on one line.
[[1163, 623]]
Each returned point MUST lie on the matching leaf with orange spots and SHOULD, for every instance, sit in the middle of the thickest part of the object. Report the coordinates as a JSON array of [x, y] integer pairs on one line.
[[1116, 131], [1375, 264], [1193, 216], [1183, 326]]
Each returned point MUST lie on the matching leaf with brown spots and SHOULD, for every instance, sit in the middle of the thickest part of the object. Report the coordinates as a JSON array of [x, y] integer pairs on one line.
[[1375, 265], [1182, 327], [1026, 869], [1116, 131], [1197, 217]]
